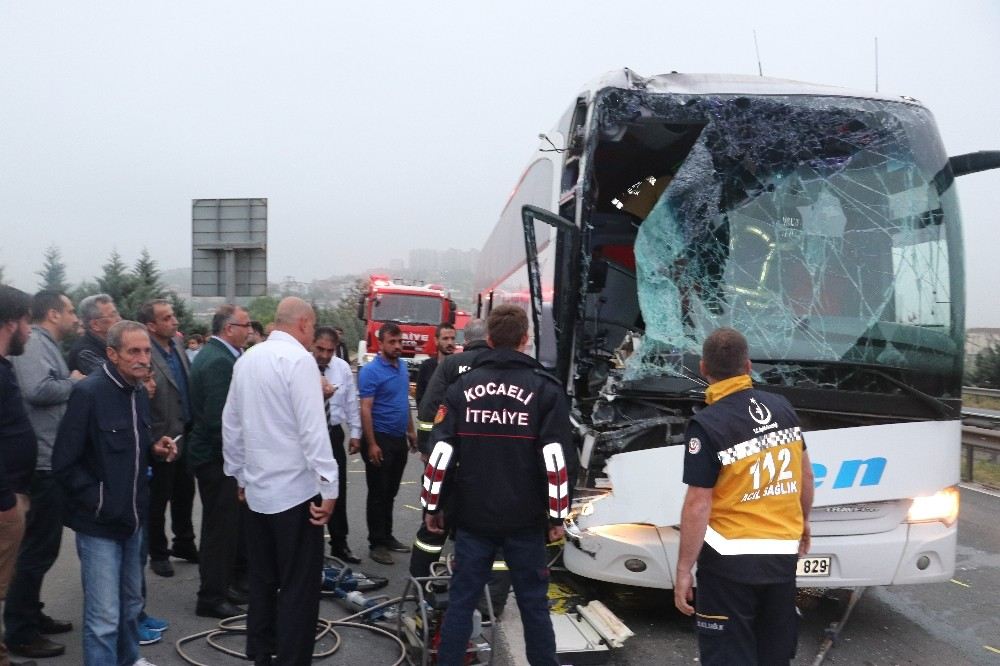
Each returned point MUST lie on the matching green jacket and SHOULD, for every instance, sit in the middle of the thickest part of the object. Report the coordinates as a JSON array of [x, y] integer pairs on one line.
[[211, 372]]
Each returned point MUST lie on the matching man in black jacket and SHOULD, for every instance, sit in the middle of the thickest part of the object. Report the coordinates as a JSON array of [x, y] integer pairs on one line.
[[500, 472], [427, 545], [447, 371], [18, 446], [100, 459], [97, 315], [444, 338]]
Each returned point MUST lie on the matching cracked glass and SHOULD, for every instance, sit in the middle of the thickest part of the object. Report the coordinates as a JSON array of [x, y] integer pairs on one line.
[[825, 229]]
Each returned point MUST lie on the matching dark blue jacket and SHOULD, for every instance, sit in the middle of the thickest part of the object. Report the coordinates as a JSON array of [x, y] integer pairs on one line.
[[101, 456]]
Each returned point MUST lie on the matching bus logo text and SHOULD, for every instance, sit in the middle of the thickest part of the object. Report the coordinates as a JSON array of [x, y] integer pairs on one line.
[[847, 475]]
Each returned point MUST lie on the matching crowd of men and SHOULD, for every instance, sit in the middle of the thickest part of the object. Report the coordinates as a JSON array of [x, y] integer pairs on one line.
[[108, 437], [124, 426], [92, 439]]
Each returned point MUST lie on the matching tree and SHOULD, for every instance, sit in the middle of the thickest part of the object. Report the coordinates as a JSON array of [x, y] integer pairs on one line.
[[145, 286], [53, 271], [345, 315], [186, 323], [116, 281], [262, 309], [1, 274], [986, 372]]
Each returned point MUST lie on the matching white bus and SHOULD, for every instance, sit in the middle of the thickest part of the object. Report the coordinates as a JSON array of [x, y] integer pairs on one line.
[[822, 223]]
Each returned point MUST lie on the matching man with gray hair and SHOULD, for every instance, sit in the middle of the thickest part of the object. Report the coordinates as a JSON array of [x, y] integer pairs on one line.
[[97, 314], [102, 445]]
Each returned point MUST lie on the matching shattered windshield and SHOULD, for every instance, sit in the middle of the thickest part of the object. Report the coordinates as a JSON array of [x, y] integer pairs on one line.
[[823, 228]]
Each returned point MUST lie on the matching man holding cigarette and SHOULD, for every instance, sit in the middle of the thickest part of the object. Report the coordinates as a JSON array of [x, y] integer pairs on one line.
[[101, 452]]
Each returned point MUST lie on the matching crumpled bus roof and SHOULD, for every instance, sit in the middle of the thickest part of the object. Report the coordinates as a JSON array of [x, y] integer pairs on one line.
[[728, 84]]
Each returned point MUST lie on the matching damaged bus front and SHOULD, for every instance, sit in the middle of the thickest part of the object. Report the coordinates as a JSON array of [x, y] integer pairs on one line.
[[824, 225]]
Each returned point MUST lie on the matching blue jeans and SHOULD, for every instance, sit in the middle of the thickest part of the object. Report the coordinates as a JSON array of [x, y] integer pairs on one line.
[[525, 555], [111, 571]]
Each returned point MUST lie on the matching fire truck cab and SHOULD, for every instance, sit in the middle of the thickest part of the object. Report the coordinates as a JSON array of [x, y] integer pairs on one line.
[[416, 309]]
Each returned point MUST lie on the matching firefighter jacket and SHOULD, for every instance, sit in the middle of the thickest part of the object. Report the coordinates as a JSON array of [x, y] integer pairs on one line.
[[447, 372], [747, 446], [503, 452]]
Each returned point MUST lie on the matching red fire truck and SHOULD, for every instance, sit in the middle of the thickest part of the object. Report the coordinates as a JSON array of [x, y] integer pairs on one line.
[[417, 309]]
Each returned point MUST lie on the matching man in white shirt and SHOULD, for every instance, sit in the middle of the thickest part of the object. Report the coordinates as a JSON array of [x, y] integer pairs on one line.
[[341, 409], [276, 446]]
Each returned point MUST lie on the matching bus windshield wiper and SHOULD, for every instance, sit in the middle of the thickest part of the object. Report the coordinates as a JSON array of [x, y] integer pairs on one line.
[[940, 407]]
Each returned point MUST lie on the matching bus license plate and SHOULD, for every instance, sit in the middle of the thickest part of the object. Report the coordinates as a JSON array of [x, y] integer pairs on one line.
[[813, 566]]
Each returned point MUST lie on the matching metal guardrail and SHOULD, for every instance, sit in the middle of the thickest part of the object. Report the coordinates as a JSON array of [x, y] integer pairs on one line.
[[981, 392], [981, 453]]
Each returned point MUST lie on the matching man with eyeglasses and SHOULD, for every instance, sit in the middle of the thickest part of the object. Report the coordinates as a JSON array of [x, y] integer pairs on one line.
[[221, 515], [97, 314]]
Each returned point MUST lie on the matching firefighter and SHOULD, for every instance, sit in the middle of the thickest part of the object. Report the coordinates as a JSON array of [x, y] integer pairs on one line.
[[746, 513], [499, 471], [427, 546], [444, 338]]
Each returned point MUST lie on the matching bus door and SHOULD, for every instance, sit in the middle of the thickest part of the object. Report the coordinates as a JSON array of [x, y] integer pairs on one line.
[[562, 316]]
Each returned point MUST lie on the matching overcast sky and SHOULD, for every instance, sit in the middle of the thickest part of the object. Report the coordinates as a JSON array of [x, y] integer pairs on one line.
[[373, 128]]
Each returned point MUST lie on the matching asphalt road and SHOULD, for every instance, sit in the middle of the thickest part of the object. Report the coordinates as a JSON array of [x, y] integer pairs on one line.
[[950, 623], [946, 623]]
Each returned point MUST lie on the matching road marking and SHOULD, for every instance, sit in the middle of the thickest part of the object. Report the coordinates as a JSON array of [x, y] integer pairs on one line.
[[415, 508], [992, 649], [958, 582], [355, 471], [407, 483]]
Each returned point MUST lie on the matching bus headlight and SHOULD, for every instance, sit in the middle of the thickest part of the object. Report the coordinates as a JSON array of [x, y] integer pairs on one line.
[[941, 506]]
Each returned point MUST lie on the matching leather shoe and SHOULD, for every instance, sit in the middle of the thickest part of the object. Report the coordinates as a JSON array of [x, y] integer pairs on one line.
[[234, 596], [49, 625], [396, 546], [162, 568], [345, 554], [381, 555], [186, 552], [221, 610], [24, 663], [39, 648]]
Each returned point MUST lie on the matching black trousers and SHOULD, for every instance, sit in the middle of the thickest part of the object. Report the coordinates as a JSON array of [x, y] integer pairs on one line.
[[286, 562], [740, 623], [383, 484], [222, 525], [337, 526], [39, 550], [172, 483]]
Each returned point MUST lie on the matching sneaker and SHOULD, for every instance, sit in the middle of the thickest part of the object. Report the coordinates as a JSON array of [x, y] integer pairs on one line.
[[154, 624], [148, 637], [143, 662]]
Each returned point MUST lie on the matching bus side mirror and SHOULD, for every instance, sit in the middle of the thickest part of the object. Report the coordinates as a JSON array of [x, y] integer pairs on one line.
[[984, 160], [361, 309], [451, 312]]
